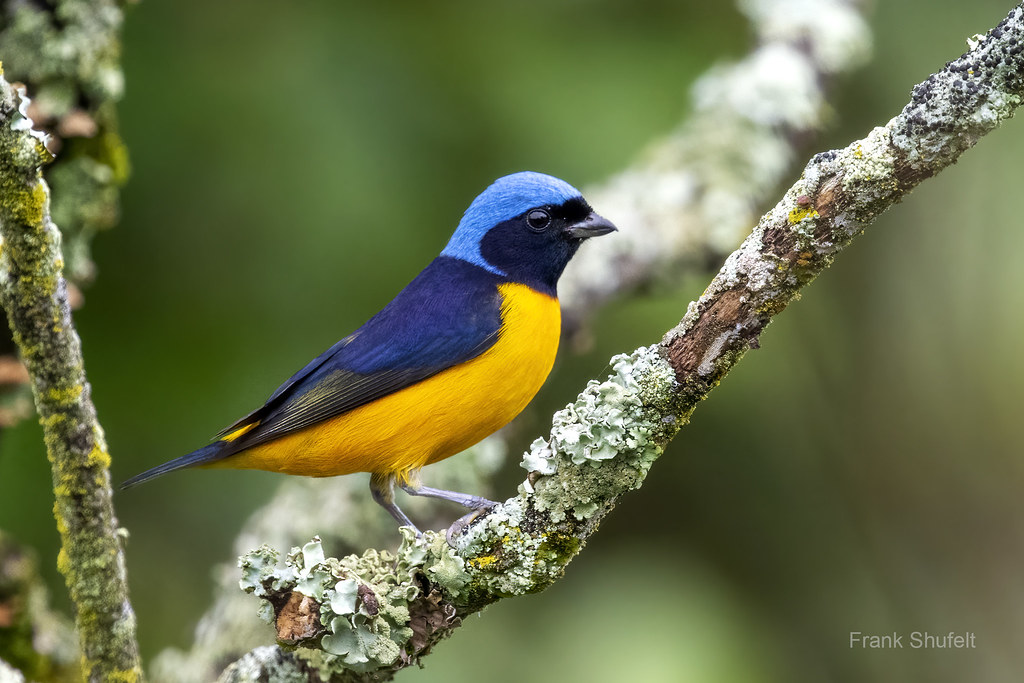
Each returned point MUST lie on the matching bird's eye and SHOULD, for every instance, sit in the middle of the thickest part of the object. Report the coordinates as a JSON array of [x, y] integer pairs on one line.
[[538, 219]]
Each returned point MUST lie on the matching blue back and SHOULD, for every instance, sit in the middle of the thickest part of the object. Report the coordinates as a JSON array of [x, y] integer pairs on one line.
[[450, 313], [443, 317]]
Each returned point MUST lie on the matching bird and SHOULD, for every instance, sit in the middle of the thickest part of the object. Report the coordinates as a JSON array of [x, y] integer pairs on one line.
[[455, 356]]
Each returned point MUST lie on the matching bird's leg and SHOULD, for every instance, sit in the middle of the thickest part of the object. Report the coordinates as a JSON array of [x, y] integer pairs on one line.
[[477, 504], [414, 488], [382, 488]]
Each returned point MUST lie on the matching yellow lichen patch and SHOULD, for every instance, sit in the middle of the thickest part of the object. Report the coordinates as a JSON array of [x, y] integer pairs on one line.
[[122, 676], [63, 563], [65, 395], [800, 213], [27, 207], [51, 422], [115, 155], [858, 153], [98, 457], [62, 527], [482, 562]]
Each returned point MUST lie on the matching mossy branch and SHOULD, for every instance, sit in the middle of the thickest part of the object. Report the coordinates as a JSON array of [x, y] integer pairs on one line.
[[364, 617], [33, 292]]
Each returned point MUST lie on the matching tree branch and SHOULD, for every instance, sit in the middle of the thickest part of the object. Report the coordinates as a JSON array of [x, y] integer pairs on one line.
[[363, 617], [33, 292]]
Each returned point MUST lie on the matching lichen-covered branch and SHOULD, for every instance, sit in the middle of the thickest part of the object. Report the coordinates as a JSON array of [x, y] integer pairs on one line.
[[33, 293], [67, 54], [363, 617], [300, 509]]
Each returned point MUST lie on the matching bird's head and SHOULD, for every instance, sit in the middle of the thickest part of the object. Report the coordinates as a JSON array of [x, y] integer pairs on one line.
[[526, 226]]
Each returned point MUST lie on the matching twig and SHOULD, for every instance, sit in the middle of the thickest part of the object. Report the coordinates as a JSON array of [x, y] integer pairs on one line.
[[33, 292], [361, 618]]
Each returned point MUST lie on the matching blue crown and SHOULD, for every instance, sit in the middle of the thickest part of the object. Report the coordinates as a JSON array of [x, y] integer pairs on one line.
[[506, 198]]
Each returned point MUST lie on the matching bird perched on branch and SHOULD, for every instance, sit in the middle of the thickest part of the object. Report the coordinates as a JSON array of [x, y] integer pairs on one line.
[[453, 358]]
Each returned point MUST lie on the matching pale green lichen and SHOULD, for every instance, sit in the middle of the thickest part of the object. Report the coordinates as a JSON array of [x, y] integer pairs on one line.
[[867, 164], [611, 420], [607, 417], [364, 600]]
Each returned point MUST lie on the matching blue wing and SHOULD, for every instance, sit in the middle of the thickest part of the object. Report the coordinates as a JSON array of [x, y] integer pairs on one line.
[[448, 315]]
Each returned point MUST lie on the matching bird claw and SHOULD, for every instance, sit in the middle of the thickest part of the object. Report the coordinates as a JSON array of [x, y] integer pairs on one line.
[[463, 523]]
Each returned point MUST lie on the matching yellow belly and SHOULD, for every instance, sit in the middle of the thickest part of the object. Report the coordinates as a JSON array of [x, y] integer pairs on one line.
[[432, 419]]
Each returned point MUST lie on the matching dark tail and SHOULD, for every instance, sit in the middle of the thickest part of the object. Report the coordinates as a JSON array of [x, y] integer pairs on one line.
[[204, 454]]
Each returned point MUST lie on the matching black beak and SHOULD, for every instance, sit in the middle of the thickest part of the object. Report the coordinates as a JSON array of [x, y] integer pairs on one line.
[[591, 226]]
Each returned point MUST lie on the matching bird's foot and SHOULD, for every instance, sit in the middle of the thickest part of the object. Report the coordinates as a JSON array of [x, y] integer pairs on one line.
[[460, 525]]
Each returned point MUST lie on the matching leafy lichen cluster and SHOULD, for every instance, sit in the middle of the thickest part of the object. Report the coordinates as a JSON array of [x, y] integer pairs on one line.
[[359, 610], [610, 420]]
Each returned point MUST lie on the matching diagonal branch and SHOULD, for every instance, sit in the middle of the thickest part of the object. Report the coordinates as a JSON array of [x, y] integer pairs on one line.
[[33, 292], [366, 616]]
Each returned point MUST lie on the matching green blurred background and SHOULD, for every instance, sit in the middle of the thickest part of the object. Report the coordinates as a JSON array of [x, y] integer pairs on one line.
[[296, 164]]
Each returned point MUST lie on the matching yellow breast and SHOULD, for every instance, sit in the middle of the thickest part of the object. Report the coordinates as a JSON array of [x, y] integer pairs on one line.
[[432, 419]]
